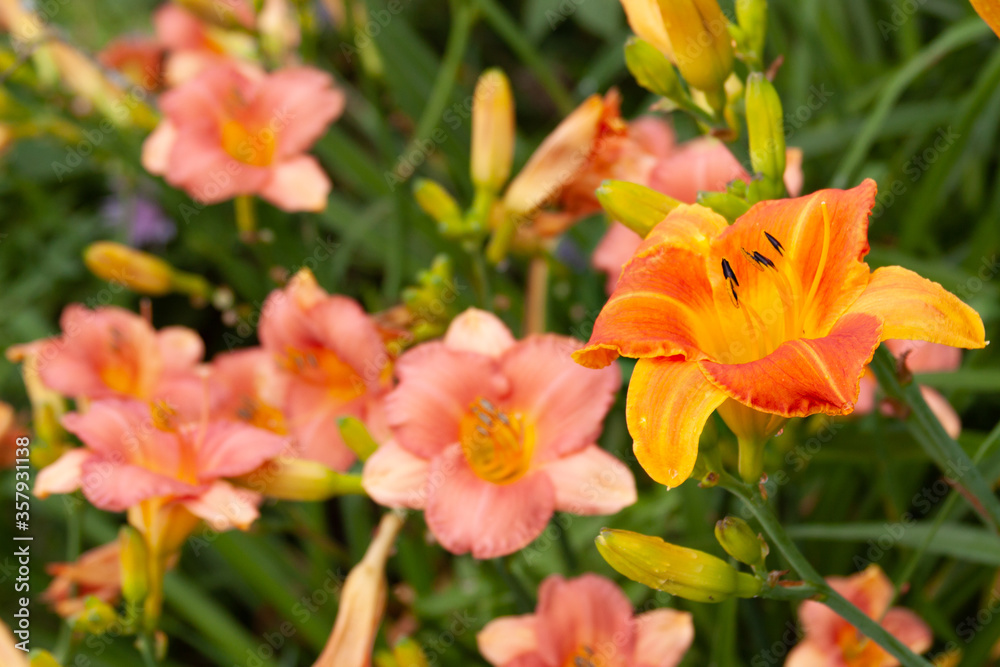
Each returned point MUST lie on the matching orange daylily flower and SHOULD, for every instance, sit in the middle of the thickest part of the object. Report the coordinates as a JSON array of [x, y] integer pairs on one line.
[[770, 318], [95, 573], [989, 10]]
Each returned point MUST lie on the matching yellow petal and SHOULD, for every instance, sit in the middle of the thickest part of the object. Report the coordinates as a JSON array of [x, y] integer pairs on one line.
[[914, 308]]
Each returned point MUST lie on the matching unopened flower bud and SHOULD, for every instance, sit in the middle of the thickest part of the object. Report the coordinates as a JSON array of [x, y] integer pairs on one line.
[[687, 573], [96, 618], [137, 270], [436, 202], [646, 21], [492, 131], [651, 69], [637, 207], [134, 559], [699, 34], [765, 126], [739, 541], [727, 205], [357, 437], [407, 653], [43, 659], [300, 480], [751, 15]]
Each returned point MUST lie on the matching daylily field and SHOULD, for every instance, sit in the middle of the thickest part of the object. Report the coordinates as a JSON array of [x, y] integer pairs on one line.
[[509, 333]]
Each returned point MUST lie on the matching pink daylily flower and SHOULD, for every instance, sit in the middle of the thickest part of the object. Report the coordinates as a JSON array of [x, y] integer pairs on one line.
[[133, 453], [830, 641], [192, 45], [246, 388], [921, 357], [680, 171], [96, 573], [586, 621], [109, 352], [236, 130], [493, 435], [331, 362]]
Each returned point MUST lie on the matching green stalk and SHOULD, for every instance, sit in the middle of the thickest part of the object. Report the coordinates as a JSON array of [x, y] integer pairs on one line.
[[751, 497]]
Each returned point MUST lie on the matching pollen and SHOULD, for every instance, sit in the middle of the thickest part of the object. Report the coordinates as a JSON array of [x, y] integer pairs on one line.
[[496, 444]]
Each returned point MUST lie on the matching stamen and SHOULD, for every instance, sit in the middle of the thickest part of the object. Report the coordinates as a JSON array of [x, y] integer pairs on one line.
[[494, 443], [752, 259], [775, 244], [730, 276]]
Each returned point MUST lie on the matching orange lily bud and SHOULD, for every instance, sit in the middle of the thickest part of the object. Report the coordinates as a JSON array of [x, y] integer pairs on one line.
[[300, 479], [134, 559], [765, 126], [687, 573], [699, 33], [357, 437], [652, 70], [492, 131], [637, 207], [646, 21], [140, 271], [739, 541], [436, 202], [362, 602]]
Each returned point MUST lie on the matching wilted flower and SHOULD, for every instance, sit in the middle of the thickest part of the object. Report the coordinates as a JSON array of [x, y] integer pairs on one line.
[[773, 317], [586, 621], [96, 573], [236, 130], [830, 641], [492, 436]]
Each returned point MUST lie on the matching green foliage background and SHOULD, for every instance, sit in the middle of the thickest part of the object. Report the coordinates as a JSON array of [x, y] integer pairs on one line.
[[894, 77]]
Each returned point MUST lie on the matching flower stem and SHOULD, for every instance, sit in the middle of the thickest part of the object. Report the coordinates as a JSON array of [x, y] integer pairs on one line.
[[752, 498], [246, 218], [536, 299], [145, 644]]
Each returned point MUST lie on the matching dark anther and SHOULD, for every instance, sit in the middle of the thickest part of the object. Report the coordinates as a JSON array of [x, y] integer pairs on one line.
[[761, 259], [774, 242], [727, 272]]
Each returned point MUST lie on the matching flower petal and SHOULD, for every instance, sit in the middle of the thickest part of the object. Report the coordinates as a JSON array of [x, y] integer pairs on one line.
[[808, 654], [662, 306], [299, 103], [504, 639], [114, 486], [564, 401], [914, 308], [479, 331], [224, 507], [396, 478], [157, 148], [63, 475], [824, 238], [297, 184], [669, 401], [466, 513], [908, 628], [663, 636], [180, 347], [587, 611], [804, 376], [692, 227], [616, 247], [591, 481], [229, 449], [436, 387]]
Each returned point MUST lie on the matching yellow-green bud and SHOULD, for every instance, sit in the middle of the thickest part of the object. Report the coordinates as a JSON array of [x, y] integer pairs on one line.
[[357, 437], [637, 207], [739, 541], [436, 202], [699, 34], [492, 131], [751, 15], [299, 480], [687, 573], [728, 206], [765, 128], [134, 564], [409, 654], [137, 270], [95, 619], [43, 659], [651, 69]]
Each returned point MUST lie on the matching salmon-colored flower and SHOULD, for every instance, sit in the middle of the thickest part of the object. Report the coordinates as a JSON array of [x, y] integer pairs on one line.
[[586, 621], [109, 352], [699, 165], [236, 130], [139, 59], [246, 388], [921, 357], [492, 436], [133, 453], [96, 573], [331, 361], [773, 317], [192, 45], [830, 641]]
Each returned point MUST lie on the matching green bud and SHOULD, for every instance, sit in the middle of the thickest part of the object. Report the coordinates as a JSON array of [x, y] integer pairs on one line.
[[301, 480], [765, 126], [134, 564], [43, 659], [728, 206], [652, 70], [637, 207], [357, 437], [687, 573], [436, 202], [739, 541], [96, 618], [409, 654], [751, 15]]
